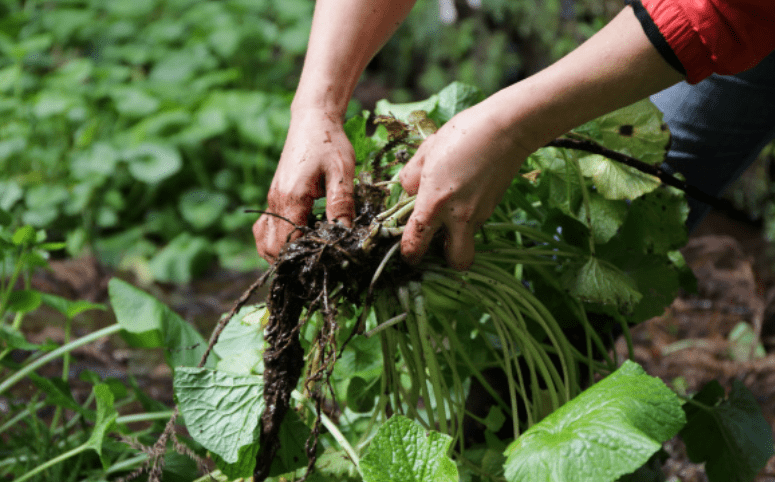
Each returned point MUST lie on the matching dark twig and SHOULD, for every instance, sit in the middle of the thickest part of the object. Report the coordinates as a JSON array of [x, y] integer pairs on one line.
[[237, 306], [269, 213], [656, 171]]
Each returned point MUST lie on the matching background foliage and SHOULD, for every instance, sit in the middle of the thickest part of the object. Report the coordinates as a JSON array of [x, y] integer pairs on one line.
[[141, 129]]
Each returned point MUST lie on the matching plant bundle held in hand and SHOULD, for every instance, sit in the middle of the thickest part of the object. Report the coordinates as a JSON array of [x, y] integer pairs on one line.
[[358, 359], [330, 266]]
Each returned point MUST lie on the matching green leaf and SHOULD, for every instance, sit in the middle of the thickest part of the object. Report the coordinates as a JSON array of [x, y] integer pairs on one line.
[[657, 280], [10, 194], [361, 358], [240, 346], [355, 128], [184, 258], [202, 208], [336, 465], [361, 395], [730, 435], [243, 467], [656, 223], [153, 163], [221, 410], [598, 281], [457, 97], [402, 451], [607, 431], [50, 103], [133, 101], [615, 180], [607, 216], [5, 218], [636, 130], [13, 338], [97, 161], [741, 343], [58, 393], [149, 323], [24, 236], [23, 301], [106, 418], [402, 111], [293, 437], [69, 308]]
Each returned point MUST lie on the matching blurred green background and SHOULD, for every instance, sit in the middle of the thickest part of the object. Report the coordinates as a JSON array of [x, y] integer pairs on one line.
[[140, 130]]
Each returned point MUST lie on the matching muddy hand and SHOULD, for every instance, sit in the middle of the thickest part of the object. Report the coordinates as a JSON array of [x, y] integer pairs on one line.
[[317, 161], [459, 175]]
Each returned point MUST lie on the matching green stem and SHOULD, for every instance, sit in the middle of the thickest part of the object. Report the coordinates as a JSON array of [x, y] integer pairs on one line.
[[584, 197], [145, 417], [65, 370], [416, 354], [54, 461], [429, 353], [19, 416], [16, 377], [12, 282], [126, 464]]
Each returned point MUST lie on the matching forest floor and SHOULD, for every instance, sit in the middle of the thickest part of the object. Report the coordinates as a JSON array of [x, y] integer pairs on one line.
[[707, 335], [689, 345]]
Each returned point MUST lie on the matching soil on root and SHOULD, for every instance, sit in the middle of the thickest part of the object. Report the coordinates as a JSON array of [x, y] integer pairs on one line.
[[328, 263]]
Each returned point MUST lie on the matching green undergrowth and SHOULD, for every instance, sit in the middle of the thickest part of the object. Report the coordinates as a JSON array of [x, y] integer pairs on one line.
[[129, 125], [580, 249]]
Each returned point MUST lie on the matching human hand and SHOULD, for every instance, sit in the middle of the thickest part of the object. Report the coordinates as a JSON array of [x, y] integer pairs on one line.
[[459, 175], [317, 160]]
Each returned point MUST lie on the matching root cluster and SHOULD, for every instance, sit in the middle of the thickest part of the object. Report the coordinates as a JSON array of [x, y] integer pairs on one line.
[[327, 264]]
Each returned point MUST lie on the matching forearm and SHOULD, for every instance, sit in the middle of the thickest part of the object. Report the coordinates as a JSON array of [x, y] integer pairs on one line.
[[345, 35], [614, 68]]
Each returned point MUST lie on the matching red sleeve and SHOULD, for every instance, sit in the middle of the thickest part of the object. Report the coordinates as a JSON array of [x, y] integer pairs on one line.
[[715, 36]]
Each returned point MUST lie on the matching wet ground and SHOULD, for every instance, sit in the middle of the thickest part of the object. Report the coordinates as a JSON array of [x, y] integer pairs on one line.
[[688, 346]]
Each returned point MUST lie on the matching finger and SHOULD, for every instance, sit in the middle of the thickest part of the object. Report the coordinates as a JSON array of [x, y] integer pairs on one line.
[[459, 246], [418, 233], [339, 194], [410, 174], [279, 225]]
